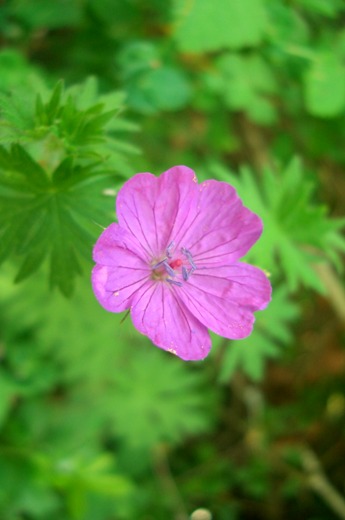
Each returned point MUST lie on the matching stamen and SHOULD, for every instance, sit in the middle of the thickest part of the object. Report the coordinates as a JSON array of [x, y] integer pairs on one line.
[[170, 248], [159, 264], [189, 256], [192, 263], [168, 269], [174, 282], [185, 274]]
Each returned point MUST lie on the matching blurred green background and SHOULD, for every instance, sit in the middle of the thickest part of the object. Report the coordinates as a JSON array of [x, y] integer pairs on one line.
[[95, 422]]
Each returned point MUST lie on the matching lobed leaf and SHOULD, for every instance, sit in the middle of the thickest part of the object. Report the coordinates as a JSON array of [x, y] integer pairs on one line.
[[271, 332], [297, 231], [51, 188]]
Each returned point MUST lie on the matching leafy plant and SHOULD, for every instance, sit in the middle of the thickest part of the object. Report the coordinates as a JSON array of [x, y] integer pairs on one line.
[[271, 332], [297, 230], [50, 188], [95, 423]]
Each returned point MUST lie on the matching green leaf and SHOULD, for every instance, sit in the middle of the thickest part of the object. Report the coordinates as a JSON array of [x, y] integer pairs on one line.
[[247, 81], [271, 331], [46, 113], [137, 57], [324, 85], [323, 7], [17, 113], [32, 262], [297, 232], [152, 84], [143, 385], [8, 392], [51, 188], [202, 25], [40, 14], [48, 220], [163, 88], [183, 411], [26, 166]]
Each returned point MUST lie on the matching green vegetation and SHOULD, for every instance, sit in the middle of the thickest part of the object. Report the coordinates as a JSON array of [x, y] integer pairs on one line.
[[95, 422]]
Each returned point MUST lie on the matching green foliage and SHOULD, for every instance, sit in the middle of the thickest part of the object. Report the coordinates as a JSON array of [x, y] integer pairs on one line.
[[96, 386], [151, 85], [38, 13], [203, 26], [80, 478], [176, 409], [271, 332], [132, 391], [297, 231], [325, 85], [48, 196], [96, 423], [247, 82], [75, 487]]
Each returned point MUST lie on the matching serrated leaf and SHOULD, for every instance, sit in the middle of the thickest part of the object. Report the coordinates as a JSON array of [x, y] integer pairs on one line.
[[32, 262], [63, 263], [271, 331], [54, 102], [51, 189], [16, 114], [297, 232], [26, 166], [56, 224], [89, 131], [183, 412]]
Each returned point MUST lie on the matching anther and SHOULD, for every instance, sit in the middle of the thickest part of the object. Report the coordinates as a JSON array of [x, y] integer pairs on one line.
[[192, 263], [168, 269], [162, 262], [185, 274], [174, 282], [189, 256], [170, 248]]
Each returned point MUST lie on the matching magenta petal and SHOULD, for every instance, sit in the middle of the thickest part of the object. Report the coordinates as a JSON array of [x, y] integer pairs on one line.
[[158, 313], [172, 260], [120, 272], [224, 230], [224, 298], [153, 208], [112, 238]]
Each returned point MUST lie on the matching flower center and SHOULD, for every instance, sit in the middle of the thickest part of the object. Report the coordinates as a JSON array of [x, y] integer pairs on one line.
[[174, 268], [176, 263]]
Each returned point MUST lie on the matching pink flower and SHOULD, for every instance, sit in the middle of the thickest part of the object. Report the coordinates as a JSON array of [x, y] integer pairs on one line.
[[173, 261]]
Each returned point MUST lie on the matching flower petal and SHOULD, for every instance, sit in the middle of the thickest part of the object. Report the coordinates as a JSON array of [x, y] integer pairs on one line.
[[112, 238], [153, 209], [158, 313], [223, 228], [119, 272], [224, 298]]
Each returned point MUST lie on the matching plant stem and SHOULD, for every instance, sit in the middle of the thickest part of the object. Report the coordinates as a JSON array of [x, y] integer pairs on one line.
[[318, 481]]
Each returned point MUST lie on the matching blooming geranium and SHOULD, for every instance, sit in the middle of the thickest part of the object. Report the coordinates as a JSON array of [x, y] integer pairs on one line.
[[172, 259]]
